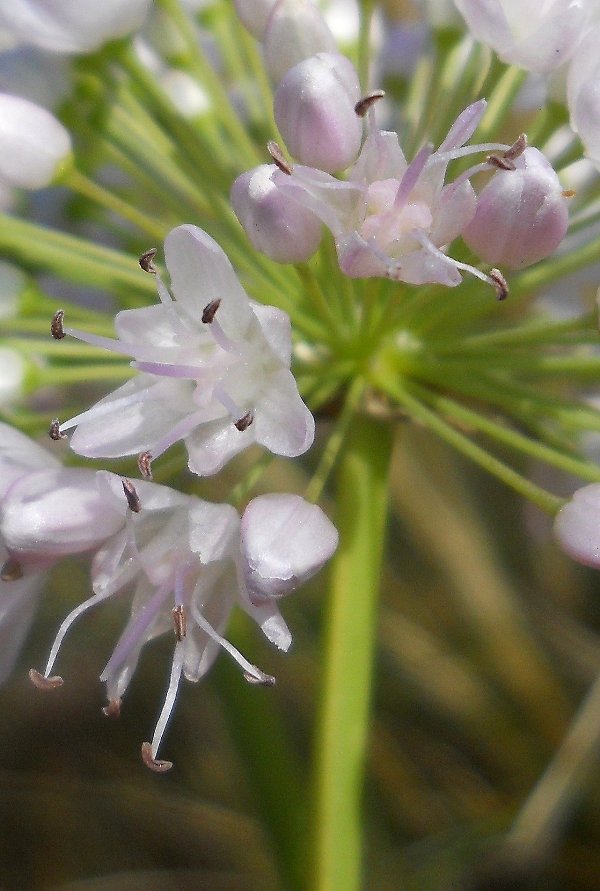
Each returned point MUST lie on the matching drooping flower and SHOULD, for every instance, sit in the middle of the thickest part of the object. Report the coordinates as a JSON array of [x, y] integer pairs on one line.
[[187, 566], [34, 145], [70, 26], [536, 36], [214, 370]]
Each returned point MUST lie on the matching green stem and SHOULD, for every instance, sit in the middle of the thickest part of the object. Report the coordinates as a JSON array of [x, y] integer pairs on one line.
[[547, 502], [342, 736], [97, 193]]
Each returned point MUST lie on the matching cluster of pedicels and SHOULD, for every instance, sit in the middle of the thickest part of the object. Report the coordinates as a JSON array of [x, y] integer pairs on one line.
[[213, 371]]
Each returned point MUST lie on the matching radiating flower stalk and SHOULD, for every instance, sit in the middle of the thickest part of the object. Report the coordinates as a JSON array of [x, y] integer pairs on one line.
[[392, 239]]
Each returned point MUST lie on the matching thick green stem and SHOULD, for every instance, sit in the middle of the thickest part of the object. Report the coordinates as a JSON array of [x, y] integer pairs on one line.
[[362, 483]]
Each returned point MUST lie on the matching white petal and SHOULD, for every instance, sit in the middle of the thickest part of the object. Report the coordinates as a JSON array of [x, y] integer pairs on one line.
[[132, 418], [33, 144], [19, 455], [200, 273], [212, 445], [71, 26], [282, 422], [277, 330], [577, 528]]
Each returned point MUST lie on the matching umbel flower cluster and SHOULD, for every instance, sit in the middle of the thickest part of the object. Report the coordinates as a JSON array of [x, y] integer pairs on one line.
[[331, 220]]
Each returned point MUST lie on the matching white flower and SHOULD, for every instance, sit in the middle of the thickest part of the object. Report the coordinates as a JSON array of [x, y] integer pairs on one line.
[[34, 145], [535, 35], [71, 26], [187, 565], [583, 94], [577, 528], [214, 370]]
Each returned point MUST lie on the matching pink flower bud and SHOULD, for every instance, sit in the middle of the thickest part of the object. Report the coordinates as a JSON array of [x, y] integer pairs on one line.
[[314, 110], [521, 214], [254, 15], [285, 540], [295, 30], [577, 528], [275, 224]]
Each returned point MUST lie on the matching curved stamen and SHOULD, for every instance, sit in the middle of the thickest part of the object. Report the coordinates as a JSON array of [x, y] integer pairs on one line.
[[252, 673], [66, 624], [165, 714]]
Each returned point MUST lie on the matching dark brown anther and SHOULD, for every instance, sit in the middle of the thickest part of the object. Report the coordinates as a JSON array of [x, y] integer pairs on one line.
[[179, 622], [145, 465], [54, 431], [11, 570], [56, 326], [517, 148], [499, 283], [154, 764], [364, 104], [264, 680], [501, 162], [244, 422], [278, 157], [43, 683], [146, 259], [210, 311], [133, 499], [113, 709]]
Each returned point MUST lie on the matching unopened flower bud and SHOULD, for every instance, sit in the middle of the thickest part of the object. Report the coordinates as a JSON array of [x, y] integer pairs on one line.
[[314, 110], [254, 15], [577, 528], [275, 224], [34, 145], [583, 93], [285, 540], [521, 214], [295, 31]]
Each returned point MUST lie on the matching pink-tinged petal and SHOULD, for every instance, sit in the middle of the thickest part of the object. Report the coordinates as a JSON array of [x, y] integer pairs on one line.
[[577, 526], [455, 209], [201, 273], [294, 31], [18, 603], [381, 158], [359, 258], [285, 540], [132, 418], [277, 330], [54, 513], [282, 422], [20, 455], [423, 267], [332, 200], [464, 126]]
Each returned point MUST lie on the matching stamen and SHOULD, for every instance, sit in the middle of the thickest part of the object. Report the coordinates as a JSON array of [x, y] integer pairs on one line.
[[146, 259], [66, 624], [144, 464], [252, 673], [154, 764], [56, 325], [167, 708], [208, 313], [363, 105], [244, 422], [113, 709], [106, 409], [279, 158], [54, 431], [517, 148], [179, 622], [500, 283], [501, 162], [44, 683], [11, 570], [133, 499]]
